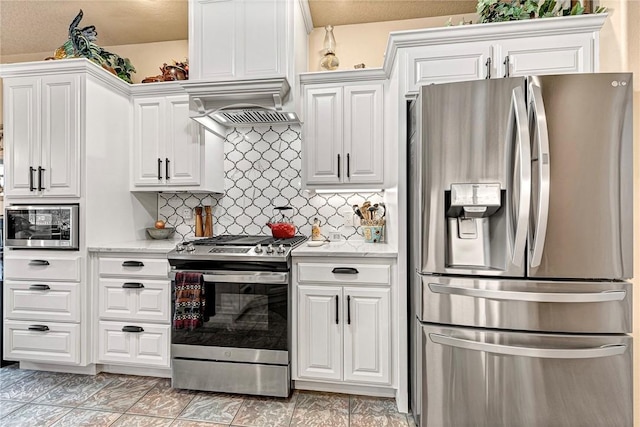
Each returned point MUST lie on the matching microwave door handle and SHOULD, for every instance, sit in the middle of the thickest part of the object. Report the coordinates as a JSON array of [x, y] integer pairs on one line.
[[558, 297], [539, 120], [518, 115], [535, 352]]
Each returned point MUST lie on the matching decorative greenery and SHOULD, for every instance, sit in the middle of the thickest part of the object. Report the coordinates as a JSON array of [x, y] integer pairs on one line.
[[514, 10]]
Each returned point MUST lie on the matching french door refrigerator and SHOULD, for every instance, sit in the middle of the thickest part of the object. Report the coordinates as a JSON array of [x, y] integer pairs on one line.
[[521, 217]]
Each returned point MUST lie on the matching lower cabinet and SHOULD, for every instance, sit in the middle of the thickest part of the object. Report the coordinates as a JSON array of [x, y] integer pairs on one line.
[[37, 341], [344, 331], [134, 299]]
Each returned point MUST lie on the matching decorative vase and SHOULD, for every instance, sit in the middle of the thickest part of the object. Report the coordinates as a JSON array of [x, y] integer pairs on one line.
[[329, 60]]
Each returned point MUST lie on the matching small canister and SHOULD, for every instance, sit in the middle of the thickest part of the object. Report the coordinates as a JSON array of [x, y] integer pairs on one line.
[[316, 233]]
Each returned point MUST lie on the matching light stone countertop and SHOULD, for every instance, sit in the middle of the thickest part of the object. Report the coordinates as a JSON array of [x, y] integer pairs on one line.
[[348, 248], [145, 246]]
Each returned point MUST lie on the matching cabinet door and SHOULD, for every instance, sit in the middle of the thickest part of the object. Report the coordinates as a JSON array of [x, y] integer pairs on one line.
[[323, 135], [363, 134], [319, 332], [60, 140], [367, 340], [21, 135], [262, 38], [183, 150], [148, 141], [213, 36], [570, 53], [148, 346], [447, 63]]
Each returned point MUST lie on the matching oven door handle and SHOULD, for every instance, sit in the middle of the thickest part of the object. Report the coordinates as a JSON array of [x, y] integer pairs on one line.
[[265, 277]]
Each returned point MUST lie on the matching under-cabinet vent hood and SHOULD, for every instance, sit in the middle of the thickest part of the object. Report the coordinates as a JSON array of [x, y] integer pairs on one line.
[[222, 104]]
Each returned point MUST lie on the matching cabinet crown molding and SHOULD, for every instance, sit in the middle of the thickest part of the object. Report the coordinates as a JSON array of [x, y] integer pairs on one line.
[[65, 66], [491, 31], [343, 76]]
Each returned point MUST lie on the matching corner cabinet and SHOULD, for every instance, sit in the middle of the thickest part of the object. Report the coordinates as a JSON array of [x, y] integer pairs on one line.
[[343, 130], [169, 149], [42, 131], [344, 317], [505, 49]]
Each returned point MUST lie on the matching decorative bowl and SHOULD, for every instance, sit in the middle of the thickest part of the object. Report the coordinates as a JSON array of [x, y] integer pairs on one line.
[[160, 233]]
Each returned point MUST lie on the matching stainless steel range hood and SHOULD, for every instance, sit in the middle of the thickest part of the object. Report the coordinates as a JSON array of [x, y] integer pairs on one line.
[[222, 104]]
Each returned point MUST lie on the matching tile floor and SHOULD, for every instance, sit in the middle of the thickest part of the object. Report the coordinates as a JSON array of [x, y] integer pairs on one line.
[[34, 398]]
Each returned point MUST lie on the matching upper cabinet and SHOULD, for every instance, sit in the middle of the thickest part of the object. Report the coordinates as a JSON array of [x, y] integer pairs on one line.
[[496, 50], [169, 149], [343, 129], [42, 132], [243, 39]]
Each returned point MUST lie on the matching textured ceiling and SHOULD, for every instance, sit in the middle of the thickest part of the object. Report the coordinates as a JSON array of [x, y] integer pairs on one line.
[[34, 26]]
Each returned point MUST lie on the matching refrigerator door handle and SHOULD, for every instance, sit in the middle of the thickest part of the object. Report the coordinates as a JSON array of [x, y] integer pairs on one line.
[[562, 297], [539, 119], [519, 116], [536, 352]]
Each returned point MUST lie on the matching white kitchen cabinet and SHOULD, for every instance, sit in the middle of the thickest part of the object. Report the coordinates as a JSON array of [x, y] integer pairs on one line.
[[42, 132], [41, 341], [343, 325], [238, 39], [169, 151], [496, 50], [343, 131], [134, 301]]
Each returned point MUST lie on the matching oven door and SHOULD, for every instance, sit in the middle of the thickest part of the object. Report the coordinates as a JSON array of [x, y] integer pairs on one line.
[[245, 318]]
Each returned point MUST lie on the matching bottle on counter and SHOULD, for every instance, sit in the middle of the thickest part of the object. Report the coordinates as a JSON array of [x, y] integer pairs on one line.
[[316, 232], [199, 229]]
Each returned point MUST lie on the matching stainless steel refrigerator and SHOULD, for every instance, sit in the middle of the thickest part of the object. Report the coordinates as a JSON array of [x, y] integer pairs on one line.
[[520, 244]]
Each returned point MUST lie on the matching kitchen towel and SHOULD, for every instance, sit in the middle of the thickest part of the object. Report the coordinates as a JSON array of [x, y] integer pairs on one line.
[[189, 301]]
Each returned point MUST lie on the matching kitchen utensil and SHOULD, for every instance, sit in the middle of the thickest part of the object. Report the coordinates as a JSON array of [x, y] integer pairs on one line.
[[282, 228], [160, 233], [356, 209]]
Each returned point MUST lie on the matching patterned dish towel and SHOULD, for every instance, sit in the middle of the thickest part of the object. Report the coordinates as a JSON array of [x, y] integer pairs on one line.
[[189, 301]]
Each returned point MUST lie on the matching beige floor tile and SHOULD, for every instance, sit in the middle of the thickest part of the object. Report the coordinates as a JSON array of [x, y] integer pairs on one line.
[[322, 401], [319, 418], [32, 386], [378, 420], [75, 390], [162, 401], [372, 405], [141, 421], [265, 412], [34, 416], [8, 406], [187, 423], [86, 418], [120, 394], [218, 408]]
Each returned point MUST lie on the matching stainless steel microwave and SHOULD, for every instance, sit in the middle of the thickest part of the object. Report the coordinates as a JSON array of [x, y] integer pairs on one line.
[[42, 227]]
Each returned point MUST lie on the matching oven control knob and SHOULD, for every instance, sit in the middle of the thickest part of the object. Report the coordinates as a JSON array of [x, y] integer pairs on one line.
[[270, 249], [190, 247], [281, 249], [258, 248], [179, 247]]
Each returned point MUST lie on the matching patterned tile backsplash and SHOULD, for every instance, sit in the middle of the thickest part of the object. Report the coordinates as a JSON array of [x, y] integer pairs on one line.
[[262, 169]]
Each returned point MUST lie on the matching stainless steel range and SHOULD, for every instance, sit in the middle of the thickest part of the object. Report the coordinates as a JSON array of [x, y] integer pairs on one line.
[[232, 314]]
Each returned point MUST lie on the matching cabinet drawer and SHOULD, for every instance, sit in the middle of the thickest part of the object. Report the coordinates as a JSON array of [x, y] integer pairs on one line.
[[142, 299], [44, 342], [42, 268], [344, 273], [58, 302], [148, 347], [134, 267]]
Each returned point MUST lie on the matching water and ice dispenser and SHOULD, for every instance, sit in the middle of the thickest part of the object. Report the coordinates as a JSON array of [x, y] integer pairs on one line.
[[474, 219]]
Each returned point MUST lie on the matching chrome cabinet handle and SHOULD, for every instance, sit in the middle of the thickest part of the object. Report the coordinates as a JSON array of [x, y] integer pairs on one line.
[[519, 116], [166, 168], [563, 297], [31, 171], [536, 352], [39, 287], [345, 270], [135, 329], [538, 122], [506, 66], [488, 65], [38, 262], [40, 185], [159, 168], [39, 328], [338, 165]]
